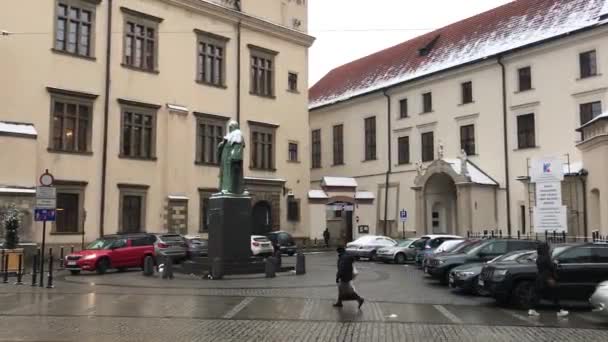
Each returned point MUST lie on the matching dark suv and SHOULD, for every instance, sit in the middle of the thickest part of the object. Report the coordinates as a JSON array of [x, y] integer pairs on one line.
[[580, 267], [439, 266], [112, 251], [282, 241]]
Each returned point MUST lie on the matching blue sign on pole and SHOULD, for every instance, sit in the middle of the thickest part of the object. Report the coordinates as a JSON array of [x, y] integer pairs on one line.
[[44, 214], [403, 215]]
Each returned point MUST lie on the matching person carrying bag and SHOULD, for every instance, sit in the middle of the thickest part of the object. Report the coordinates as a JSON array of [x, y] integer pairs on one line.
[[344, 278]]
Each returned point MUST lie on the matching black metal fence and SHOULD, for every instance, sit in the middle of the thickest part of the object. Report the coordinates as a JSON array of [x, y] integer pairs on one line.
[[551, 237]]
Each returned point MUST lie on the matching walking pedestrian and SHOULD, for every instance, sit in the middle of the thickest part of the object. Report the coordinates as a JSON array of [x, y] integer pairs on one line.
[[326, 237], [546, 281], [344, 279]]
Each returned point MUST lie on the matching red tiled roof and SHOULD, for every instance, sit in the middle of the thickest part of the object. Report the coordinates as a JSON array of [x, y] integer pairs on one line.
[[501, 29]]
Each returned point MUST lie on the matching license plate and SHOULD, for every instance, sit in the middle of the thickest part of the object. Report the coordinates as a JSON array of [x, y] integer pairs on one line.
[[71, 263], [480, 282]]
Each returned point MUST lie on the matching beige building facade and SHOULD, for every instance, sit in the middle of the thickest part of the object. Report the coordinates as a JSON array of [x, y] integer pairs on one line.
[[450, 122], [125, 101]]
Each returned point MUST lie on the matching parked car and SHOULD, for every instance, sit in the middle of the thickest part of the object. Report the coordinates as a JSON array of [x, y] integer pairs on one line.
[[196, 246], [439, 266], [283, 241], [367, 246], [580, 268], [599, 299], [431, 245], [466, 277], [419, 244], [396, 254], [261, 245], [460, 247], [171, 245], [112, 251]]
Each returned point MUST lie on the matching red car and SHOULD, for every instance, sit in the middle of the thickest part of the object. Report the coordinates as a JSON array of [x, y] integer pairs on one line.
[[112, 251]]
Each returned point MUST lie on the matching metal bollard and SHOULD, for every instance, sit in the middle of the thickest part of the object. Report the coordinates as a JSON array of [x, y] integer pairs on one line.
[[270, 267], [300, 264], [148, 266], [20, 271], [217, 268], [5, 266], [61, 257], [34, 270], [168, 269], [278, 259], [49, 281]]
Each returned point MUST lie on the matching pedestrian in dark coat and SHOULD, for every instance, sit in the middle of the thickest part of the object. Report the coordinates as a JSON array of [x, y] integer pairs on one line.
[[344, 278], [546, 281], [326, 237]]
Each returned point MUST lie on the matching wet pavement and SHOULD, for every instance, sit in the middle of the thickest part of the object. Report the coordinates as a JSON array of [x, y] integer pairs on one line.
[[401, 306]]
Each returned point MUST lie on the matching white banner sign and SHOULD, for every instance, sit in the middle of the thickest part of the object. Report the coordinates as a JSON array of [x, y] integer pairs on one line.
[[550, 219], [547, 170], [548, 195]]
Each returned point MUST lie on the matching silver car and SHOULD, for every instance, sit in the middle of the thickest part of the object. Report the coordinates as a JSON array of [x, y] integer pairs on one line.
[[367, 246], [397, 254], [171, 245], [599, 299]]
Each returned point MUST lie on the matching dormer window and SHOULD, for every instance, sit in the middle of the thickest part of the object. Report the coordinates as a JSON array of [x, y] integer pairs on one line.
[[426, 50]]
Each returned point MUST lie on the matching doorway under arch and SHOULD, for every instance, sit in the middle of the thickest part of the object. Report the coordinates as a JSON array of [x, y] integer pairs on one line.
[[262, 218], [440, 196]]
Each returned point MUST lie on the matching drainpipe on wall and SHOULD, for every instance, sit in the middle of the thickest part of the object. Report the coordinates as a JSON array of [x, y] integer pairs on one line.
[[106, 111], [390, 159], [583, 175], [238, 73], [506, 142]]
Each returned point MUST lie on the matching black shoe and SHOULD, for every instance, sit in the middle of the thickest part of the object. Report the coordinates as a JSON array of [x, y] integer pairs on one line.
[[337, 305], [361, 302]]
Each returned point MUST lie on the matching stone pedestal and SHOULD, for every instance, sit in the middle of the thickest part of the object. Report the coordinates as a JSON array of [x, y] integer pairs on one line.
[[230, 228]]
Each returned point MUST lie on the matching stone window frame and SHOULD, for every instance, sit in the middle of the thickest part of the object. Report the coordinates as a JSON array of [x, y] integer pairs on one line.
[[204, 194], [132, 190], [524, 82], [407, 156], [427, 102], [371, 138], [593, 66], [403, 108], [521, 144], [466, 92], [87, 5], [170, 222], [316, 148], [583, 105], [423, 148], [148, 22], [217, 42], [68, 97], [290, 158], [140, 108], [292, 82], [470, 140], [216, 121], [77, 188], [268, 72], [338, 144], [297, 202], [256, 128]]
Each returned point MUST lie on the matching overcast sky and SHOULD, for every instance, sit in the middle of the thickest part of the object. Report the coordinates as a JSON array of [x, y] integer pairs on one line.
[[350, 29]]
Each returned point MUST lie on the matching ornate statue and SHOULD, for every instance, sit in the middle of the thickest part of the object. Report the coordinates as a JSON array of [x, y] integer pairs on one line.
[[230, 155], [419, 169], [463, 163], [440, 151]]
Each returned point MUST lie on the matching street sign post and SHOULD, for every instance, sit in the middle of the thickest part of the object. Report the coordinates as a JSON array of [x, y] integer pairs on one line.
[[46, 210], [403, 219]]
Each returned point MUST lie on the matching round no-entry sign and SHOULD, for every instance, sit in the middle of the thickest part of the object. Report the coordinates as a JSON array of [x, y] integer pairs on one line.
[[46, 179]]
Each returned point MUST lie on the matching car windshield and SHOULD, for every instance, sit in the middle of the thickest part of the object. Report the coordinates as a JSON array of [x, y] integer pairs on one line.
[[101, 244], [405, 243], [363, 240], [512, 256], [420, 242], [198, 241], [284, 238], [473, 248], [557, 250], [261, 239], [451, 247], [171, 238]]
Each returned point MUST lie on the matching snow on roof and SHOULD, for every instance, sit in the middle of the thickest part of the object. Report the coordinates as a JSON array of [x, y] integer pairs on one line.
[[16, 190], [18, 128], [177, 108], [339, 182], [178, 197], [267, 179], [317, 194], [573, 168], [364, 195], [602, 116], [475, 174], [514, 25]]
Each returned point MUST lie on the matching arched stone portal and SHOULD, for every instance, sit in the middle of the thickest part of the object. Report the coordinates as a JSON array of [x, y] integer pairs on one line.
[[440, 196]]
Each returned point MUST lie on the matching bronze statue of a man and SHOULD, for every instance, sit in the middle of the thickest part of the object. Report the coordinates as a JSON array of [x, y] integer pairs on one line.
[[230, 155]]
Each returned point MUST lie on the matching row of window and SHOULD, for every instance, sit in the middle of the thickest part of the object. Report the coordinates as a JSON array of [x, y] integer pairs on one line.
[[75, 31], [72, 132], [526, 138], [587, 68], [132, 208]]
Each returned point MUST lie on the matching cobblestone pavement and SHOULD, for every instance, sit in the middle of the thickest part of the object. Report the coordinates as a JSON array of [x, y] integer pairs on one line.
[[401, 306]]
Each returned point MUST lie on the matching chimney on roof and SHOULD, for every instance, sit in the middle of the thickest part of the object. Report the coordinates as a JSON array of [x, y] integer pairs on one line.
[[426, 50]]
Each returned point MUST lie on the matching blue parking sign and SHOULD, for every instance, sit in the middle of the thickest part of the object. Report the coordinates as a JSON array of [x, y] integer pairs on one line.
[[44, 214], [403, 215]]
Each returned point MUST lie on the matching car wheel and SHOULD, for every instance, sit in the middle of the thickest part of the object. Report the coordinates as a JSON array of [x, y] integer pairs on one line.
[[102, 266], [400, 258], [75, 272], [122, 269], [291, 253], [524, 295]]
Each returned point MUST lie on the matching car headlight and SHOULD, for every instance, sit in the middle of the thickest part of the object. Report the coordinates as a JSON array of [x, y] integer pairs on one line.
[[90, 256], [440, 262], [499, 274], [464, 274]]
